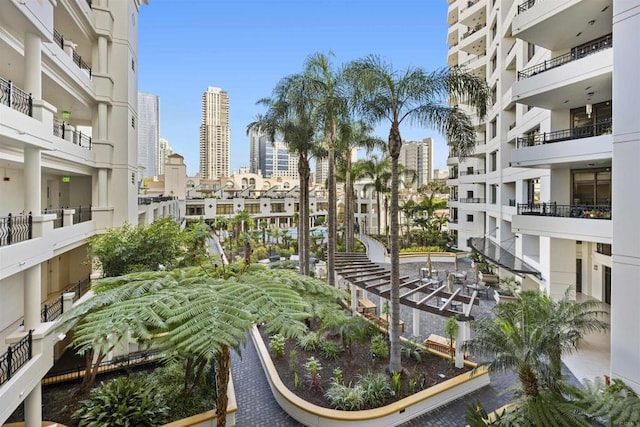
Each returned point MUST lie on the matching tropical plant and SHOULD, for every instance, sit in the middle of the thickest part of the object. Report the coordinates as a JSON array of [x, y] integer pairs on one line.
[[313, 367], [331, 350], [125, 401], [381, 93], [349, 328], [293, 360], [378, 170], [412, 349], [345, 398], [508, 286], [277, 345], [396, 382], [336, 376], [451, 329], [376, 388], [379, 347], [310, 342]]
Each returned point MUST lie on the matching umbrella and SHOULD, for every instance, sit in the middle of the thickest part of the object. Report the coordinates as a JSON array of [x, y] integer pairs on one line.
[[429, 266]]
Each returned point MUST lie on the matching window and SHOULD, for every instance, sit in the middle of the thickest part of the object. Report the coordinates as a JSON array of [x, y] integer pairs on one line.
[[493, 161], [591, 187], [494, 194], [469, 218], [494, 63], [494, 128], [603, 248], [494, 30], [133, 122], [531, 51], [533, 190], [494, 95], [597, 122]]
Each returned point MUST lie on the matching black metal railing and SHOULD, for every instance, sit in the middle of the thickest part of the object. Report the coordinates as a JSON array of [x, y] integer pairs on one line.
[[472, 172], [15, 357], [157, 199], [575, 54], [470, 3], [599, 211], [53, 310], [82, 214], [15, 228], [528, 4], [77, 59], [62, 130], [473, 30], [472, 200], [59, 221], [512, 203], [58, 38], [15, 98], [600, 128], [89, 2]]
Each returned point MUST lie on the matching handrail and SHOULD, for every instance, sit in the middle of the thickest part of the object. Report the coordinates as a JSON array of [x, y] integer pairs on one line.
[[58, 222], [528, 4], [576, 53], [472, 200], [472, 172], [82, 214], [61, 130], [14, 229], [75, 57], [15, 357], [51, 312], [15, 98], [599, 211], [601, 128]]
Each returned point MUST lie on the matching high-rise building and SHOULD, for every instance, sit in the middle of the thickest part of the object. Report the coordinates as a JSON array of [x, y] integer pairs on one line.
[[417, 156], [559, 142], [214, 134], [68, 141], [164, 152], [148, 134], [273, 158]]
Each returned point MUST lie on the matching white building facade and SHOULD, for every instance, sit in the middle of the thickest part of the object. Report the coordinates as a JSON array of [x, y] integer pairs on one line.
[[148, 134], [417, 156], [68, 149], [553, 168], [163, 156], [215, 135]]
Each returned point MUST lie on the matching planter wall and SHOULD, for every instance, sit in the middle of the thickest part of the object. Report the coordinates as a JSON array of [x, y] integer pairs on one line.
[[391, 415]]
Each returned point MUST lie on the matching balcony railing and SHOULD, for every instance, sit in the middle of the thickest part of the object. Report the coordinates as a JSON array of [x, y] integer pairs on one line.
[[63, 130], [53, 310], [528, 4], [15, 228], [58, 222], [472, 172], [600, 128], [77, 59], [472, 200], [83, 214], [149, 200], [576, 53], [15, 357], [14, 97], [600, 211], [470, 31]]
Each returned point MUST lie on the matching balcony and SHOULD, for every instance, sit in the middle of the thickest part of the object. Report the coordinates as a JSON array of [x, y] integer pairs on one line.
[[474, 41], [15, 229], [15, 98], [576, 53], [565, 211], [601, 128], [557, 25], [59, 40], [472, 172], [472, 200], [473, 13], [67, 132], [16, 356]]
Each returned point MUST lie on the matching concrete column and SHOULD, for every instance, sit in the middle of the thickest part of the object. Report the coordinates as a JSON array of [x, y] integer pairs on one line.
[[67, 301], [33, 407], [32, 180], [416, 322], [32, 297], [102, 188], [460, 338], [33, 65], [67, 217], [102, 54], [102, 121], [354, 299]]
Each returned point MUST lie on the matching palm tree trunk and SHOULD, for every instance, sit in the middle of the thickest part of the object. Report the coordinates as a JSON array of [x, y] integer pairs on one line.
[[528, 380], [222, 378], [379, 213], [348, 208], [395, 143], [332, 229], [303, 218]]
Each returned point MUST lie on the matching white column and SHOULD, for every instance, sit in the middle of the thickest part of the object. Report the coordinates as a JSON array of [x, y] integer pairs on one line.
[[102, 121], [460, 338], [102, 187], [416, 322], [354, 299], [32, 181], [32, 297], [33, 65], [102, 54], [33, 407]]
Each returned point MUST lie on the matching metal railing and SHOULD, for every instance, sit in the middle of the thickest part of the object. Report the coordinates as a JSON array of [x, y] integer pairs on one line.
[[528, 4], [15, 228], [52, 311], [62, 129], [15, 98], [600, 128], [59, 221], [576, 53], [77, 59], [149, 200], [473, 30], [82, 214], [58, 38], [472, 172], [15, 357], [472, 200], [599, 211]]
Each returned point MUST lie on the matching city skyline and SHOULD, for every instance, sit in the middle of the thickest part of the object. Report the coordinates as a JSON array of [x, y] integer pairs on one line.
[[249, 57]]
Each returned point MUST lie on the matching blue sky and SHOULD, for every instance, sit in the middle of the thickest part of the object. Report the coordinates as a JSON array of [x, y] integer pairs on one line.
[[246, 46]]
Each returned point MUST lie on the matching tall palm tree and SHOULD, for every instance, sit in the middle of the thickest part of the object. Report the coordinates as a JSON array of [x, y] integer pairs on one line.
[[330, 107], [378, 169], [290, 114], [352, 135], [383, 94]]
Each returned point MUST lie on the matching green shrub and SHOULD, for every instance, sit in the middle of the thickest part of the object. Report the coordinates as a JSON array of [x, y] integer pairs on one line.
[[379, 347], [337, 376], [126, 401], [376, 388], [411, 350], [293, 360], [415, 249], [310, 342], [396, 379], [344, 397], [330, 350], [313, 368], [277, 345]]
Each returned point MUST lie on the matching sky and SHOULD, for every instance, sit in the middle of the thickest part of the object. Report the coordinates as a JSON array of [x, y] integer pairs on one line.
[[246, 46]]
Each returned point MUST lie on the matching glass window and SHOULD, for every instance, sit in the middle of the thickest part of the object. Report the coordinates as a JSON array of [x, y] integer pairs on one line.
[[591, 187]]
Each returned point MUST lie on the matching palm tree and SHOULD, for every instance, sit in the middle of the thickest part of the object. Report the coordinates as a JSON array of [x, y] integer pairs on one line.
[[197, 314], [381, 93], [379, 171], [290, 114], [352, 135]]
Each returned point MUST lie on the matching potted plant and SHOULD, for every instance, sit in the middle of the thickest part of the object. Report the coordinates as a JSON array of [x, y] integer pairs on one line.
[[508, 289]]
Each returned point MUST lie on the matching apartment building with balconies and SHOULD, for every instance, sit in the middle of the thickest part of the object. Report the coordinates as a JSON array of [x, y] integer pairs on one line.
[[68, 101], [545, 183]]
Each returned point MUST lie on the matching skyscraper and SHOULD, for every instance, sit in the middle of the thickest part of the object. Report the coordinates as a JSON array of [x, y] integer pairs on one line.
[[272, 158], [417, 156], [163, 154], [148, 134], [214, 134]]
